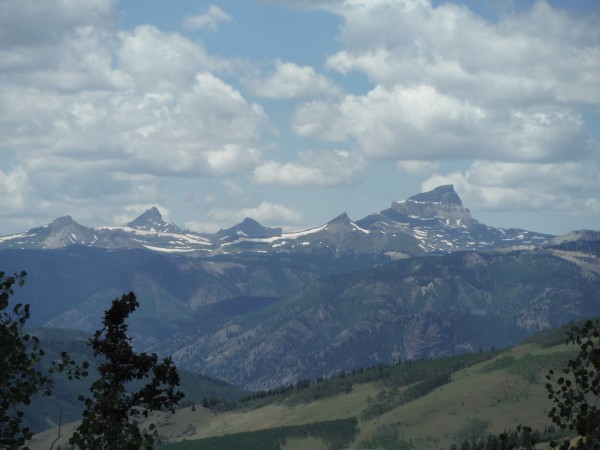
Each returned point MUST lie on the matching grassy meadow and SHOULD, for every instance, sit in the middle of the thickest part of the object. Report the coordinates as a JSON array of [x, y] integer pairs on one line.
[[418, 405]]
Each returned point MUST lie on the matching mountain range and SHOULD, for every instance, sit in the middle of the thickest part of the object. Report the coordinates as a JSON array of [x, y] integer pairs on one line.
[[430, 222], [258, 308]]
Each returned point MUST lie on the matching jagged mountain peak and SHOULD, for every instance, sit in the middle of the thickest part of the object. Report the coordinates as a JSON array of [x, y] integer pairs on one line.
[[151, 215], [152, 220], [341, 219]]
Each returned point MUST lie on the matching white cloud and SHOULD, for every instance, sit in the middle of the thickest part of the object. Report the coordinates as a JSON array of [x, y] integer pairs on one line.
[[539, 54], [290, 80], [14, 188], [210, 20], [486, 185], [159, 61], [85, 105], [413, 167], [267, 212], [451, 85], [330, 168], [100, 118], [163, 116], [420, 123]]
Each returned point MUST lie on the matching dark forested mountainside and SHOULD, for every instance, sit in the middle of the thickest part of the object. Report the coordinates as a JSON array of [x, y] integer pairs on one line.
[[411, 309], [263, 320], [71, 287]]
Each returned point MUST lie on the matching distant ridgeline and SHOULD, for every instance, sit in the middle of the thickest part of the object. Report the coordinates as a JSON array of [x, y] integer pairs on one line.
[[430, 222], [259, 308]]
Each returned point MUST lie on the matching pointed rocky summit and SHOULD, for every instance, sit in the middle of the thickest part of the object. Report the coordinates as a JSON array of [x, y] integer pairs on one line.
[[151, 220], [340, 223]]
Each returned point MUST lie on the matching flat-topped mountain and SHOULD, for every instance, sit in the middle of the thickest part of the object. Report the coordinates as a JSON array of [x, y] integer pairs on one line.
[[441, 203], [429, 222]]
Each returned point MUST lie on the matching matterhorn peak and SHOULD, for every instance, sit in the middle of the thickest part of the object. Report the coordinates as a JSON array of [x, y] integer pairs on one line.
[[151, 220], [342, 219]]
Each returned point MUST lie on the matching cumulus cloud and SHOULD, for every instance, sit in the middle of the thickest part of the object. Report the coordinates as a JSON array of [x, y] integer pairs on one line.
[[159, 110], [330, 168], [14, 187], [488, 185], [412, 167], [290, 80], [541, 53], [96, 112], [209, 20], [83, 102], [159, 61], [451, 85], [268, 212], [420, 123]]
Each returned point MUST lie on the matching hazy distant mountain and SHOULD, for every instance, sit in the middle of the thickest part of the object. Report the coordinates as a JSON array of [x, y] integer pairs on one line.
[[59, 233], [434, 221], [258, 307], [151, 220], [248, 228]]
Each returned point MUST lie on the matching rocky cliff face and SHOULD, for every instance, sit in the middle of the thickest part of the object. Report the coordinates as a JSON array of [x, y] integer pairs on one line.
[[441, 203]]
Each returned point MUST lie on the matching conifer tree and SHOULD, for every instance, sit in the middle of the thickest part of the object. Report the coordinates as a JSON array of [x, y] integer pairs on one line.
[[576, 391], [112, 414], [20, 376]]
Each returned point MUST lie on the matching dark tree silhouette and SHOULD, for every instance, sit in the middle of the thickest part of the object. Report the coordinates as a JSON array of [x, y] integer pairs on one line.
[[20, 377], [576, 391], [20, 373], [110, 420]]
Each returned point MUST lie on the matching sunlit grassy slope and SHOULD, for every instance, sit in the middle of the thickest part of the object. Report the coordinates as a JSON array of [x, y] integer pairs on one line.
[[486, 393]]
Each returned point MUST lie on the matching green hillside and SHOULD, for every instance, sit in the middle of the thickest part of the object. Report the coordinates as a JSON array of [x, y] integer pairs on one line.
[[429, 404]]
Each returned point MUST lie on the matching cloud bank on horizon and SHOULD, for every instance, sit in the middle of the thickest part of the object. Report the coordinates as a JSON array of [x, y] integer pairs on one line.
[[292, 111]]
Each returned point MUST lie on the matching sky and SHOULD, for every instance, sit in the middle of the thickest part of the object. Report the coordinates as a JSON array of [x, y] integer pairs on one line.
[[294, 111]]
